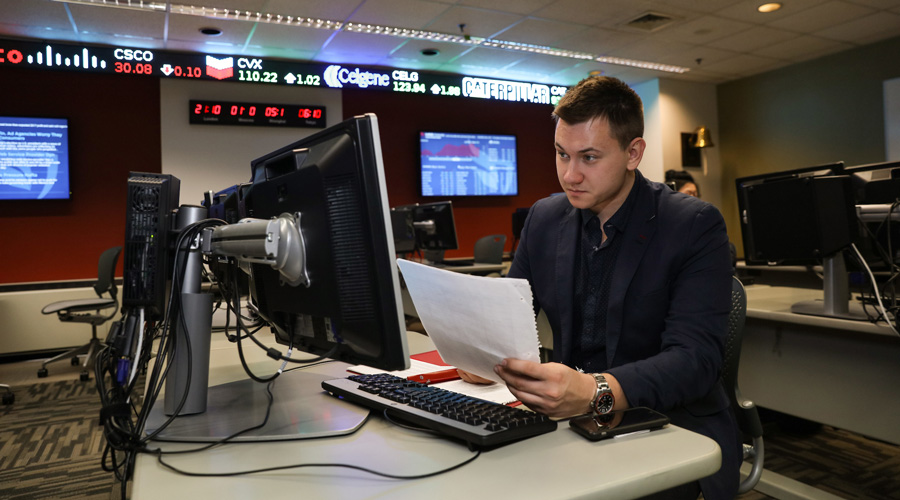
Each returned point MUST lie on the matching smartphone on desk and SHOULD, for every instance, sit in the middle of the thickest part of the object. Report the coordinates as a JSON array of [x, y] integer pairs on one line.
[[617, 423]]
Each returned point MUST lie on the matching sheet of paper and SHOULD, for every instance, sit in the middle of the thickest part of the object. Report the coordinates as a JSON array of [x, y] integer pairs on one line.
[[474, 321]]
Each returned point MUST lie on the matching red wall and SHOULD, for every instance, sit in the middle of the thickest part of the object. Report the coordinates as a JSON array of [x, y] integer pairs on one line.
[[113, 129], [402, 116]]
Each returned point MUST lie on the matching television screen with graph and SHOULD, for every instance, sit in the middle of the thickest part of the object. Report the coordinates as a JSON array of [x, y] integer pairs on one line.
[[468, 164]]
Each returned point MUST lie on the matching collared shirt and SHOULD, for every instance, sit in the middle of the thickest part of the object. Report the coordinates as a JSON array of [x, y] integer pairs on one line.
[[594, 268]]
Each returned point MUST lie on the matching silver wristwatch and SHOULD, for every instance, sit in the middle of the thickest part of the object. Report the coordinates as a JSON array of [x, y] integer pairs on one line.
[[603, 400]]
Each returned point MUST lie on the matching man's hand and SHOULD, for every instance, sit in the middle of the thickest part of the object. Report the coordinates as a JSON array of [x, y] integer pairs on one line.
[[472, 378], [553, 389]]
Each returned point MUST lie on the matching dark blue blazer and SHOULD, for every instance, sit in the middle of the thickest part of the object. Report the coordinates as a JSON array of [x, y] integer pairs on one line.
[[667, 314]]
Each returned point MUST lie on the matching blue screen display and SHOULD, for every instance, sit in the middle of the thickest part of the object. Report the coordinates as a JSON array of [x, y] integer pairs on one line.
[[34, 158], [462, 164]]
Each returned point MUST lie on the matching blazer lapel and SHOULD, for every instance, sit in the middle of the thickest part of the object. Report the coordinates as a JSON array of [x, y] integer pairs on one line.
[[639, 231], [565, 292]]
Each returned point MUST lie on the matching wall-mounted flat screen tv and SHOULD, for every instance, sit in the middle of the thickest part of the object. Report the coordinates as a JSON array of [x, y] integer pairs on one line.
[[464, 164], [34, 158]]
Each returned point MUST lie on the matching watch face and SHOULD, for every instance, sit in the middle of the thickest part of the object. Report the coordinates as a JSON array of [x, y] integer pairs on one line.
[[605, 403]]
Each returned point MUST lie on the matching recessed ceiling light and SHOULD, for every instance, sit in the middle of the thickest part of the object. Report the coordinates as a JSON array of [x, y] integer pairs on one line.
[[210, 31], [769, 7]]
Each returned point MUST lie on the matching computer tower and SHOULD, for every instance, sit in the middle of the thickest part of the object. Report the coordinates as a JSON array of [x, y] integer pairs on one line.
[[152, 201]]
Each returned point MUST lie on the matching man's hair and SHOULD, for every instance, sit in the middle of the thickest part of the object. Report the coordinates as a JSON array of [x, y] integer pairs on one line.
[[604, 97]]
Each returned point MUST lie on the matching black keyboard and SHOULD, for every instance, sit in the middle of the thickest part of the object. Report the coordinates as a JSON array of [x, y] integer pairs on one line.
[[478, 422]]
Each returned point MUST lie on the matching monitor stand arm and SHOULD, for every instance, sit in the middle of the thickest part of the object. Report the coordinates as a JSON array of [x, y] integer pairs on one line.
[[837, 303], [274, 242]]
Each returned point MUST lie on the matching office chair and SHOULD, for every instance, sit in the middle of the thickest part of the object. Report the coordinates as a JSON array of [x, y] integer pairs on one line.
[[489, 249], [744, 409], [88, 311]]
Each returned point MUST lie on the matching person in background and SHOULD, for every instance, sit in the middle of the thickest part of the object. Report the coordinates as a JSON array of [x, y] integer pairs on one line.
[[683, 182], [635, 281]]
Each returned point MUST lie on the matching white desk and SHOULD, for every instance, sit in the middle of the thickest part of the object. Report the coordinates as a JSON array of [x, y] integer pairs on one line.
[[557, 465], [838, 372]]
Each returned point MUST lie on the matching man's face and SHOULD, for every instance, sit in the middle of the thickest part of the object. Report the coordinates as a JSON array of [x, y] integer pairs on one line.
[[592, 167]]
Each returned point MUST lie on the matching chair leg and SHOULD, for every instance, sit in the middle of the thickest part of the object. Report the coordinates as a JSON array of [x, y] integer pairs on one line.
[[90, 350], [10, 397]]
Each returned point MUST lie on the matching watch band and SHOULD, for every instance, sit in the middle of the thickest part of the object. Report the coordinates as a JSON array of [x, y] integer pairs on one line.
[[603, 400]]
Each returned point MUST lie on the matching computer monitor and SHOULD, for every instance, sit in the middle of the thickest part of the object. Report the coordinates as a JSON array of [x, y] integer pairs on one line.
[[435, 229], [803, 217], [402, 224], [332, 186], [335, 180]]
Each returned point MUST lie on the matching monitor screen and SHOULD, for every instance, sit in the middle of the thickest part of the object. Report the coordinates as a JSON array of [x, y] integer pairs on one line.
[[335, 181], [464, 164], [34, 158]]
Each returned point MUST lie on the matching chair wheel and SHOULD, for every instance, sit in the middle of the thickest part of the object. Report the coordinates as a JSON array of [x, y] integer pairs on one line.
[[85, 377], [42, 373], [75, 361], [9, 398]]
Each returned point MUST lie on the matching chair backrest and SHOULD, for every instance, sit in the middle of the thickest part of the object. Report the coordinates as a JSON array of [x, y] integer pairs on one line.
[[744, 410], [489, 249], [106, 273], [736, 319]]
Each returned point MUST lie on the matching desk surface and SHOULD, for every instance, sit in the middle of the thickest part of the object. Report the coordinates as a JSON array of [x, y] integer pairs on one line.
[[834, 371], [560, 464], [774, 303]]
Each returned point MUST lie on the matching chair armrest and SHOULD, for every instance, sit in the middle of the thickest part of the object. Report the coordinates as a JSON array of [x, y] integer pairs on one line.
[[78, 305]]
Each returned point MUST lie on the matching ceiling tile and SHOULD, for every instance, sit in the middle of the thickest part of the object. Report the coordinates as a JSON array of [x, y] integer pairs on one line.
[[752, 39], [878, 4], [744, 64], [334, 10], [746, 11], [537, 32], [599, 41], [102, 20], [38, 14], [187, 29], [821, 16], [651, 49], [702, 5], [517, 7], [688, 57], [478, 22], [606, 13], [277, 36], [702, 30], [367, 47], [865, 29], [414, 13], [801, 48]]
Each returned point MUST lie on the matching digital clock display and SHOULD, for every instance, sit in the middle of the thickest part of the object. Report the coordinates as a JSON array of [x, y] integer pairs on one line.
[[256, 114]]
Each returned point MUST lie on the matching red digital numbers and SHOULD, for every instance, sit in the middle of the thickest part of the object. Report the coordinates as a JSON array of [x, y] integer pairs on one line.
[[274, 112], [237, 110], [309, 113], [138, 68]]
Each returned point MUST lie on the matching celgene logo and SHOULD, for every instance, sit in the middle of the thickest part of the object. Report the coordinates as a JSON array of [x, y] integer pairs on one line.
[[336, 76]]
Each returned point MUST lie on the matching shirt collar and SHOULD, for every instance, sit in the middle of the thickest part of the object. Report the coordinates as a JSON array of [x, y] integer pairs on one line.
[[618, 219]]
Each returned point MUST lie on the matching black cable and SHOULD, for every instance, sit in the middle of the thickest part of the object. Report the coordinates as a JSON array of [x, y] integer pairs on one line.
[[299, 466]]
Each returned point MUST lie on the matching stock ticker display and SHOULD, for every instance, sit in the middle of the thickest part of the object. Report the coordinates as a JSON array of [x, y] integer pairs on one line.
[[166, 64]]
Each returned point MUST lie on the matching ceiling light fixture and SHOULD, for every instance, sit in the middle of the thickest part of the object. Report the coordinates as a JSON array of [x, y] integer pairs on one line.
[[769, 7], [307, 22]]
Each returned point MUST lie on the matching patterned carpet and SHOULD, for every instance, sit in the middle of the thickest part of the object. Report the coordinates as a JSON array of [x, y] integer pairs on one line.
[[50, 443], [50, 447]]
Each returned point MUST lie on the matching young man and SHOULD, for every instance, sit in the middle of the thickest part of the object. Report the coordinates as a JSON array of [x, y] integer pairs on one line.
[[635, 280]]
